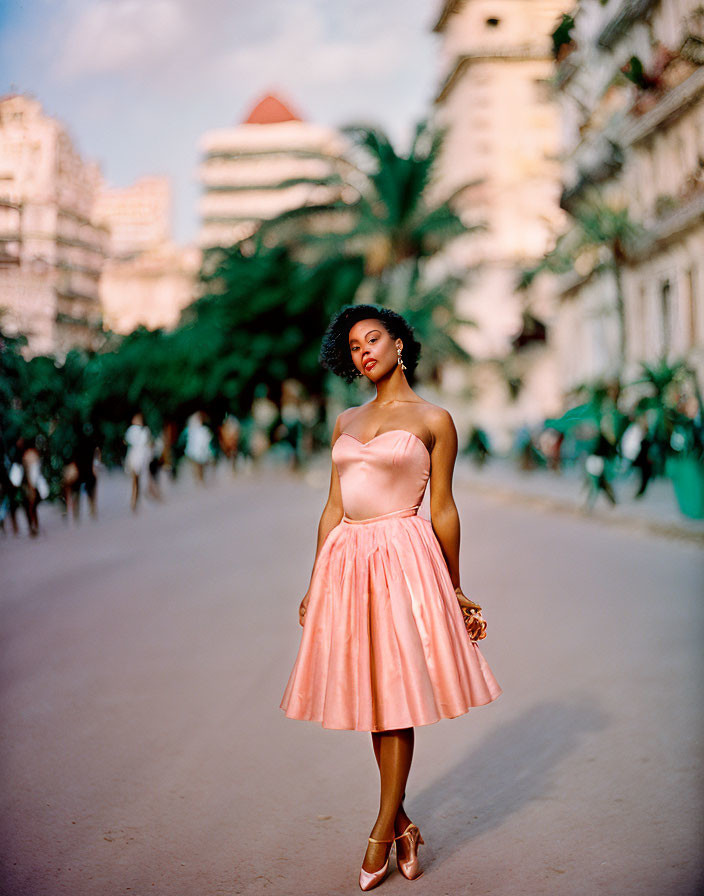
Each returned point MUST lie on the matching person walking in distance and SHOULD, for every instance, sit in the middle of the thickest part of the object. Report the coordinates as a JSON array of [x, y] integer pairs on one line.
[[384, 647], [198, 444], [138, 441]]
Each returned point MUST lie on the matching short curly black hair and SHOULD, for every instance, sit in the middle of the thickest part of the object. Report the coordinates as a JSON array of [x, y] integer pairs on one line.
[[335, 349]]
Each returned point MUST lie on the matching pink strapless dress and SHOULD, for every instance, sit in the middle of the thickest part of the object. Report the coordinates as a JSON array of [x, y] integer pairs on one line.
[[384, 645]]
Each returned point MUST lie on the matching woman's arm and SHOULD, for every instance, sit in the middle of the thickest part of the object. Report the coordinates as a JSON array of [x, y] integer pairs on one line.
[[332, 512], [443, 511], [330, 517]]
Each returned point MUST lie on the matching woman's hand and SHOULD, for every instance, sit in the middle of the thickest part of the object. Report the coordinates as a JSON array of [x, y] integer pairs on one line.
[[465, 601], [303, 609]]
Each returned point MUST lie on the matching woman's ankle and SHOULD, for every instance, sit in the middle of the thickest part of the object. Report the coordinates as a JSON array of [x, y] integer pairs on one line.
[[383, 831], [401, 822]]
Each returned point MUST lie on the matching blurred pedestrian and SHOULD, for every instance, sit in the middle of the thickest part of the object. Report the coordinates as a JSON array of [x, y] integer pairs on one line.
[[635, 448], [264, 414], [550, 444], [310, 417], [169, 435], [528, 456], [599, 469], [80, 475], [31, 481], [138, 441], [291, 396], [229, 438], [155, 464], [10, 495], [199, 444]]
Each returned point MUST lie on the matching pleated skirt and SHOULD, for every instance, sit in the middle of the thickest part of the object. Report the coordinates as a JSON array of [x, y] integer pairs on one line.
[[384, 645]]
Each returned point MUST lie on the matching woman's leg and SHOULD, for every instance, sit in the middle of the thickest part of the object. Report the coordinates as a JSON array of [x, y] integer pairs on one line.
[[402, 820], [394, 758], [135, 491]]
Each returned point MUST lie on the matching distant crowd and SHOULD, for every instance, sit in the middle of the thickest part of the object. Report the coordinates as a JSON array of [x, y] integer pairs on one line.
[[284, 434]]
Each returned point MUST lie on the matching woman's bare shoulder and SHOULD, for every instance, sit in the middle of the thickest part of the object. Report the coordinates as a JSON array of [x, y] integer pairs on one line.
[[436, 418], [346, 417], [439, 421]]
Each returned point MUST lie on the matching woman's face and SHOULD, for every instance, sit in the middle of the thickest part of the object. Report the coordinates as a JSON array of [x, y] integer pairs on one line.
[[373, 350]]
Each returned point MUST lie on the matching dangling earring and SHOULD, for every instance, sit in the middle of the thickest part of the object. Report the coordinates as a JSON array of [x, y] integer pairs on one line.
[[400, 359]]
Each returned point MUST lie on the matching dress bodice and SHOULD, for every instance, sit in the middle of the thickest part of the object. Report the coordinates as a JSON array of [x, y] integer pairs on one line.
[[388, 473]]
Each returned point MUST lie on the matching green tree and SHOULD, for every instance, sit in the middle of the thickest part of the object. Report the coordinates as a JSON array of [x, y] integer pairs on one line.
[[394, 223], [393, 217], [262, 318]]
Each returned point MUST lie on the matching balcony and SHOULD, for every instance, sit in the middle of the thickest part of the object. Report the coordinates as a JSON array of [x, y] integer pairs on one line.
[[667, 109], [520, 53], [686, 215], [630, 12], [66, 294]]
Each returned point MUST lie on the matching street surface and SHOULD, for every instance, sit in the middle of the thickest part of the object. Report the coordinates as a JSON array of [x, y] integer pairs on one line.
[[143, 750]]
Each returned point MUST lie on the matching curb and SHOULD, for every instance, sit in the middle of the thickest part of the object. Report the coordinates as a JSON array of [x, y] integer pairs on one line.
[[610, 517]]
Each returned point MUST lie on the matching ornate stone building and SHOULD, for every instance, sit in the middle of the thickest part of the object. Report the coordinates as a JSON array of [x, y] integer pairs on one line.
[[502, 124], [631, 87], [138, 216], [51, 249], [147, 280]]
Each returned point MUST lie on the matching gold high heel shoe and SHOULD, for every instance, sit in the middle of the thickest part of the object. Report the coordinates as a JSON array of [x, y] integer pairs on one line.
[[370, 879], [409, 867]]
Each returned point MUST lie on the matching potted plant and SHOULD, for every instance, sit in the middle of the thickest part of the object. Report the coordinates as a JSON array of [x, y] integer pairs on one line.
[[674, 439], [685, 464]]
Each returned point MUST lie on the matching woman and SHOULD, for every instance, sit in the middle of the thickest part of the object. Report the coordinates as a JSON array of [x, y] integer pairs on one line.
[[138, 439], [384, 646], [198, 441]]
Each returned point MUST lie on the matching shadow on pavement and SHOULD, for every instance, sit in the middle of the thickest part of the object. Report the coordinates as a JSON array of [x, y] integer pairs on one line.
[[511, 767]]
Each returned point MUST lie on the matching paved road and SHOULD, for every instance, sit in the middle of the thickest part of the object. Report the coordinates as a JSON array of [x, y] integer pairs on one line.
[[143, 751]]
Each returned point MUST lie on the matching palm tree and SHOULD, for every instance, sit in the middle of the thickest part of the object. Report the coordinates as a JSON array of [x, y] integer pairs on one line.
[[606, 236], [386, 214], [389, 217]]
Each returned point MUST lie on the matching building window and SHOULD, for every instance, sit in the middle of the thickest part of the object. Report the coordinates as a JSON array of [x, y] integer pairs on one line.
[[492, 22], [665, 312], [641, 331], [691, 336]]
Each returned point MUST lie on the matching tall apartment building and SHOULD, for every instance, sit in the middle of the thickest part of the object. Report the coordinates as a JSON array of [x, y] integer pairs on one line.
[[51, 250], [271, 163], [640, 146], [138, 216], [498, 108], [147, 279]]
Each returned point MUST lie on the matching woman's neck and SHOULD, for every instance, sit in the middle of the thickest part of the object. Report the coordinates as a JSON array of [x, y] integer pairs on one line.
[[393, 387]]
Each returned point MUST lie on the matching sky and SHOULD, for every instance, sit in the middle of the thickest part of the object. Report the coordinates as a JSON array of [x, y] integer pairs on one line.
[[137, 82]]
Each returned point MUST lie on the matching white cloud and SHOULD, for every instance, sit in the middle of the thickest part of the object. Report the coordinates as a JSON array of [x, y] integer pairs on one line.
[[117, 35], [138, 81], [306, 52], [301, 42]]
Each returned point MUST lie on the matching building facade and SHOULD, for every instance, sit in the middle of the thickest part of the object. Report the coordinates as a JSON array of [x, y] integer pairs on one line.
[[138, 216], [51, 249], [498, 108], [147, 279], [631, 88], [271, 163]]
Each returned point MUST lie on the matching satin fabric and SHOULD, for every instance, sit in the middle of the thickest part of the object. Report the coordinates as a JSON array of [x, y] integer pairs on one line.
[[384, 644]]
